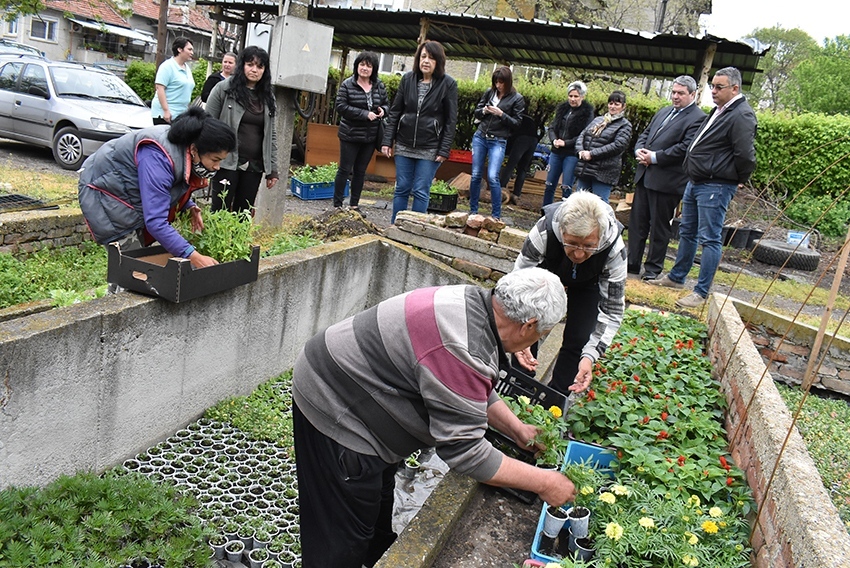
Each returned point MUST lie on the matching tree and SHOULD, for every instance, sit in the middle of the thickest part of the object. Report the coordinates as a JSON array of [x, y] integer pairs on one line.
[[824, 80], [11, 9], [776, 87]]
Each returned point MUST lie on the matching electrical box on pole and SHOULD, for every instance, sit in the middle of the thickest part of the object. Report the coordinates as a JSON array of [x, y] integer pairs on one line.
[[300, 53]]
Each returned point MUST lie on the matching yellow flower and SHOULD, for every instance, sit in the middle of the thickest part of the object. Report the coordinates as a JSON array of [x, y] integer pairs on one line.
[[608, 498], [553, 565], [614, 531], [715, 512], [709, 527], [686, 518], [689, 560], [693, 501], [556, 411], [586, 490], [722, 524], [692, 538], [620, 490], [646, 522], [524, 400]]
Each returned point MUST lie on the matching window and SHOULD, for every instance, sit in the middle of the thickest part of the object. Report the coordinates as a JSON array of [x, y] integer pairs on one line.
[[43, 29], [34, 80], [9, 75], [386, 64], [12, 27]]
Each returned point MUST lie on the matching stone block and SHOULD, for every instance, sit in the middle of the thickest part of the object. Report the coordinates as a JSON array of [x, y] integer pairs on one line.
[[457, 219], [511, 237], [475, 221], [445, 259], [471, 268], [836, 385], [494, 225], [490, 236], [773, 355]]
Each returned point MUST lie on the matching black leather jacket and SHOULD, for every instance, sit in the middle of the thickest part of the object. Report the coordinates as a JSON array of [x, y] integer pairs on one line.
[[512, 104], [429, 127]]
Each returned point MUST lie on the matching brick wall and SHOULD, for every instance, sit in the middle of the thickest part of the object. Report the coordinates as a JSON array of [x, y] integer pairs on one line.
[[25, 232]]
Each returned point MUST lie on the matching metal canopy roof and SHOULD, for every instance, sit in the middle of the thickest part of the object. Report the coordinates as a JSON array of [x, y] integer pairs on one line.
[[536, 43]]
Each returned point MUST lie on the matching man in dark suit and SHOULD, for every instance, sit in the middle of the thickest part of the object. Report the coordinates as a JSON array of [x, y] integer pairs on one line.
[[659, 179]]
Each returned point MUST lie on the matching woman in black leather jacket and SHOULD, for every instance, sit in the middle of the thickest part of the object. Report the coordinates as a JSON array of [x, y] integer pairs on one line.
[[422, 122], [362, 103], [498, 113]]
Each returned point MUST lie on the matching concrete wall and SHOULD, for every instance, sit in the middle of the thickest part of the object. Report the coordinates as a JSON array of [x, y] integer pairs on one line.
[[87, 386], [798, 525]]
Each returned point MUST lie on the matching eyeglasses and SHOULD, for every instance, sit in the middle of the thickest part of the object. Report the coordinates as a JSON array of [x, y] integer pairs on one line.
[[570, 247], [719, 87]]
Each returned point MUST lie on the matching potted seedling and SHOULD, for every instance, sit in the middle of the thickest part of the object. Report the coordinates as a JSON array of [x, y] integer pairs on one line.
[[258, 557], [217, 543], [314, 182], [234, 550], [411, 465]]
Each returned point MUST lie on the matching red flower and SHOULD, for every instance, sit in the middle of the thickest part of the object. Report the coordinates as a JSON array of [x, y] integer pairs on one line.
[[729, 481], [724, 464], [625, 389], [681, 460], [658, 395], [662, 435], [690, 344], [664, 416], [675, 364], [619, 454], [591, 395], [636, 378], [645, 419]]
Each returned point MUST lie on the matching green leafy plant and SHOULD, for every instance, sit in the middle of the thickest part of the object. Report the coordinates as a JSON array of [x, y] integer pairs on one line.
[[284, 243], [552, 428], [587, 481], [413, 459], [316, 174], [227, 235], [441, 187], [67, 297]]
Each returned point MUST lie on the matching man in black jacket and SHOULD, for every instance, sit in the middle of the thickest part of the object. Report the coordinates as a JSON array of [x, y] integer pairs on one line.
[[719, 161], [659, 178]]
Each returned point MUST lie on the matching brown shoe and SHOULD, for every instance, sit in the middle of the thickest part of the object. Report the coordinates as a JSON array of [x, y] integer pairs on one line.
[[692, 300], [666, 283]]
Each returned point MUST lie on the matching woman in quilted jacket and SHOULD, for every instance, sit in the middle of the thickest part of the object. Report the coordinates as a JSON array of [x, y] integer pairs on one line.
[[600, 148]]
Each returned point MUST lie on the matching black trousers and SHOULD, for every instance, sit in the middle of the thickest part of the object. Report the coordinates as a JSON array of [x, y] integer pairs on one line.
[[650, 217], [345, 500], [354, 158], [582, 313], [241, 189], [519, 159]]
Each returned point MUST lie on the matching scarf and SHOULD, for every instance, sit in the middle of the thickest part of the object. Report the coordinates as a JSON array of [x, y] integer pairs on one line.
[[606, 120]]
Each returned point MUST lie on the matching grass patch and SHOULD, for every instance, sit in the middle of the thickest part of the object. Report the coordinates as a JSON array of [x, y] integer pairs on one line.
[[59, 189], [823, 425]]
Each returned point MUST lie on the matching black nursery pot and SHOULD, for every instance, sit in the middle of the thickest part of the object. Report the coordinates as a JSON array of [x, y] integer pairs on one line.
[[738, 238]]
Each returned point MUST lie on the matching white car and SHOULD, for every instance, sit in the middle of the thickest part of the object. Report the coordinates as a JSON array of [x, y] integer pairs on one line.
[[68, 107]]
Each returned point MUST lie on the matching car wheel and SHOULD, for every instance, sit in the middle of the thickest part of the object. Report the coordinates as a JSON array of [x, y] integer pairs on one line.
[[780, 253], [68, 148]]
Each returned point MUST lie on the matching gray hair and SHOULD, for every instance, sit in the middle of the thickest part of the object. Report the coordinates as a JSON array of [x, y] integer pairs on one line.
[[531, 293], [733, 74], [581, 213], [686, 81], [577, 86]]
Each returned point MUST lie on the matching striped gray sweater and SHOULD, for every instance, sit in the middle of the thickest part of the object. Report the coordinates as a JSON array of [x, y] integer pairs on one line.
[[416, 370]]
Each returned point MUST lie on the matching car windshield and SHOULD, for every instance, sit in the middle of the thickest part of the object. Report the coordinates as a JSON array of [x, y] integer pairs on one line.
[[85, 83]]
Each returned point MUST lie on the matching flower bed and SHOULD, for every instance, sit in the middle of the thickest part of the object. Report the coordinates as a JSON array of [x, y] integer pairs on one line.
[[680, 500]]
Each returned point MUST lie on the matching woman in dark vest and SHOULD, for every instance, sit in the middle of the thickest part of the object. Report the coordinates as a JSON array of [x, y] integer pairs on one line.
[[131, 188], [362, 104], [579, 239]]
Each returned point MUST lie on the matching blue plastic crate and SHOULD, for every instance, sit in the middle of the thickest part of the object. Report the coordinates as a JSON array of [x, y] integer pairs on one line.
[[318, 190], [577, 452]]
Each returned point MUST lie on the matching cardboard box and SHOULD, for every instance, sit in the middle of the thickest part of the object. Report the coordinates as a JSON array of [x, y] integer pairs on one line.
[[155, 272]]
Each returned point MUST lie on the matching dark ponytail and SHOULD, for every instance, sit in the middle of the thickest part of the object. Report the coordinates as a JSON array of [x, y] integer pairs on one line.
[[208, 134]]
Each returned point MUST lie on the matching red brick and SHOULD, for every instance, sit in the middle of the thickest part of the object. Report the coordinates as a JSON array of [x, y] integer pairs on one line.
[[800, 350], [760, 341], [773, 355]]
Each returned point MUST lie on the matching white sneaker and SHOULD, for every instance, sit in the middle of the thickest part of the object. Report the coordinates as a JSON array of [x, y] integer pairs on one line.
[[665, 282]]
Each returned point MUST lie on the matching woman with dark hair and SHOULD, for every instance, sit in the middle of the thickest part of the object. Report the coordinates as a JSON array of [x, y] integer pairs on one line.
[[498, 113], [422, 122], [361, 103], [245, 101], [174, 83], [132, 187], [571, 117], [600, 148]]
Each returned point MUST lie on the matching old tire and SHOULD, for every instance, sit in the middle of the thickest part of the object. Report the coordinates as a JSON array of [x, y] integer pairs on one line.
[[778, 252]]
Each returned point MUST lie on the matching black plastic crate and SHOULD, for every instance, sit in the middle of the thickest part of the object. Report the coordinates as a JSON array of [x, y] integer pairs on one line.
[[442, 203], [517, 384]]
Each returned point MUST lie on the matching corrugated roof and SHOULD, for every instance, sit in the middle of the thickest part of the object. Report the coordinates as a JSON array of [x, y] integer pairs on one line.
[[537, 43]]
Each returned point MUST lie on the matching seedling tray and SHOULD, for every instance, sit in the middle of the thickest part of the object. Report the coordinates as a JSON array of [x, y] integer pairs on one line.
[[510, 449], [442, 202], [155, 272]]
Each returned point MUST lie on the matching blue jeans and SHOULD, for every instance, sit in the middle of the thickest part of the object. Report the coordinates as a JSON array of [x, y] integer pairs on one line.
[[493, 151], [559, 164], [703, 213], [413, 175], [603, 190]]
